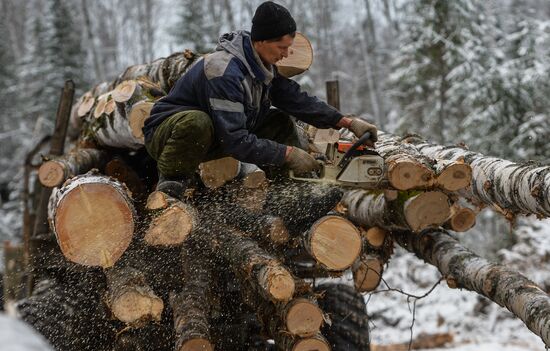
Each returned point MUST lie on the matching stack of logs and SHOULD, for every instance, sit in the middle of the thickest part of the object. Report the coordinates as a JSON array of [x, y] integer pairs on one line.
[[161, 256]]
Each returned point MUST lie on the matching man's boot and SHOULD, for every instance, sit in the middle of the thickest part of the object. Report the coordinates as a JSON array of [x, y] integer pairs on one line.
[[174, 187]]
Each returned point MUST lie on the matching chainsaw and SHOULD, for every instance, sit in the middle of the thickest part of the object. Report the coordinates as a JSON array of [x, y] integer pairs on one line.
[[349, 164]]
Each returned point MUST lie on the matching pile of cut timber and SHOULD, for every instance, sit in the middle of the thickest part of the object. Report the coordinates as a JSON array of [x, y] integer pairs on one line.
[[167, 270]]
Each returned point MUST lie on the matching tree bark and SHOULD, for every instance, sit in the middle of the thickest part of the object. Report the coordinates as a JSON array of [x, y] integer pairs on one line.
[[257, 269], [191, 306], [508, 186], [163, 71], [406, 167], [412, 210], [78, 214], [130, 298], [506, 287], [300, 204], [54, 172]]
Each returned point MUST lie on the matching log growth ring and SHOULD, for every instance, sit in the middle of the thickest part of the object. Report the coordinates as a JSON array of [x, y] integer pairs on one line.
[[94, 225]]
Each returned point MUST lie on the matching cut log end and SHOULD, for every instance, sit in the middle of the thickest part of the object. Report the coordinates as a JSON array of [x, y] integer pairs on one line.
[[136, 119], [334, 242], [197, 345], [124, 91], [51, 174], [84, 235], [427, 209], [405, 175], [101, 105], [462, 220], [367, 273], [157, 200], [277, 282], [303, 318], [86, 104], [172, 226], [455, 177], [135, 306], [375, 236], [255, 179], [276, 231], [216, 173], [314, 343]]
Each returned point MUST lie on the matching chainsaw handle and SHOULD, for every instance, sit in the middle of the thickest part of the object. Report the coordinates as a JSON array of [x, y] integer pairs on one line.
[[362, 140]]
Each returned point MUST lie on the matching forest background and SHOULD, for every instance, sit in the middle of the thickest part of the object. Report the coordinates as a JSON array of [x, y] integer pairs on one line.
[[466, 72]]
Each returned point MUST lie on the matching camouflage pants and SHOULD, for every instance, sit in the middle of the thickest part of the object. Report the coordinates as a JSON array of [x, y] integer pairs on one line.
[[184, 140]]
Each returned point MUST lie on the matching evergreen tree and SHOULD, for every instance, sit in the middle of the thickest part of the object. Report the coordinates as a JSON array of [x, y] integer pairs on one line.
[[63, 56], [192, 30], [509, 115], [434, 42]]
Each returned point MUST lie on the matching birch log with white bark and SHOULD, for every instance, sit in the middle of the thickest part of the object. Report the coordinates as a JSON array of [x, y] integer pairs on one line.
[[516, 188], [415, 211], [93, 219], [506, 287], [54, 172], [406, 167]]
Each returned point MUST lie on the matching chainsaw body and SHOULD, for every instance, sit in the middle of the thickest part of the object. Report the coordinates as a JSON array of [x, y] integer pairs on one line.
[[351, 165]]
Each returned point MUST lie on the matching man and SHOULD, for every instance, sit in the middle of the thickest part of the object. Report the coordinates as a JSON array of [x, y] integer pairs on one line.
[[222, 106]]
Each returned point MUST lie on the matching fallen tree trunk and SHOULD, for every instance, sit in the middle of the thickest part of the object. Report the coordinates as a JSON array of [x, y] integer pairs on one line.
[[130, 298], [257, 269], [508, 186], [54, 172], [163, 71], [260, 226], [300, 204], [93, 220], [191, 306], [506, 287], [413, 210]]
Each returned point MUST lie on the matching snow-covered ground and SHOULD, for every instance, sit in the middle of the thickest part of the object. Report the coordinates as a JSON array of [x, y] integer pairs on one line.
[[16, 335], [475, 322]]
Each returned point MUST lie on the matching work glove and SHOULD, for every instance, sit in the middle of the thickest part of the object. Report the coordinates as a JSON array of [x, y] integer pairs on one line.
[[300, 161], [359, 127]]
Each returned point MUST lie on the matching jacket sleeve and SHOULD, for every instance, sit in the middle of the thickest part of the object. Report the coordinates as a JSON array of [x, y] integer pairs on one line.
[[287, 95], [226, 105]]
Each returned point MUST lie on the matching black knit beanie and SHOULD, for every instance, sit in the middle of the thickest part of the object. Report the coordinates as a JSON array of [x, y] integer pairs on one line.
[[271, 21]]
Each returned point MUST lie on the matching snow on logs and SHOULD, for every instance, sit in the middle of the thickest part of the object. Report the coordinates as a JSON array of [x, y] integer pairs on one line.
[[92, 217], [513, 188], [464, 269]]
